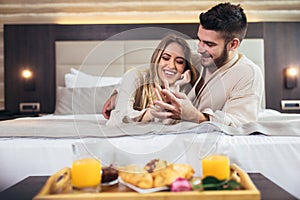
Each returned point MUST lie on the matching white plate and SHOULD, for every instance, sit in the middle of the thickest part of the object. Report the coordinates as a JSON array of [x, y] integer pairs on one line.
[[110, 183], [143, 191]]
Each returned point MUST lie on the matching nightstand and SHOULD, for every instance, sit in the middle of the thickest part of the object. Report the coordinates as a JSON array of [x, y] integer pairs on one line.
[[6, 115]]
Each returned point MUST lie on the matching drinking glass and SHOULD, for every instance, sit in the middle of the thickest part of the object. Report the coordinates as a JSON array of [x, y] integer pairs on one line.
[[86, 170], [216, 165]]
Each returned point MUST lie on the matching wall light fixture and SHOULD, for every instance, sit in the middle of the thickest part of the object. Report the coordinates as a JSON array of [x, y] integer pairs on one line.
[[28, 80], [290, 77]]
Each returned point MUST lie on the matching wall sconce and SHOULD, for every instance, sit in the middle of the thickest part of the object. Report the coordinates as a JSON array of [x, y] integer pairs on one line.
[[28, 80], [290, 77]]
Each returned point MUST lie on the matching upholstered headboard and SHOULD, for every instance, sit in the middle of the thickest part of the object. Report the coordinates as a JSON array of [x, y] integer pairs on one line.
[[103, 58], [113, 58]]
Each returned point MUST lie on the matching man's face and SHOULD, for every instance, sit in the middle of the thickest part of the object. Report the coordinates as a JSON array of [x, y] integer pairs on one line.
[[212, 48]]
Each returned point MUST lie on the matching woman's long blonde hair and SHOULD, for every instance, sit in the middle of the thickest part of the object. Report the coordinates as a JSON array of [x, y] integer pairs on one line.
[[145, 96]]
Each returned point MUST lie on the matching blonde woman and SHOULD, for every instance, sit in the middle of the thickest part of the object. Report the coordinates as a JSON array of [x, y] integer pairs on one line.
[[170, 65]]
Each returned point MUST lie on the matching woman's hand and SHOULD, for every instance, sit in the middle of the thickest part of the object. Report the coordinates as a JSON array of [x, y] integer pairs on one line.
[[185, 79]]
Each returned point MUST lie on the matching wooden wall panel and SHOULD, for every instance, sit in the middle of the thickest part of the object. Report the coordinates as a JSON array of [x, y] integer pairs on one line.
[[29, 46], [282, 49], [105, 31]]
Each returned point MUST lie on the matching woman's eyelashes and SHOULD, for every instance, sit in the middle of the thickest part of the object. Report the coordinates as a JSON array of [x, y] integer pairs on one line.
[[179, 61], [166, 57]]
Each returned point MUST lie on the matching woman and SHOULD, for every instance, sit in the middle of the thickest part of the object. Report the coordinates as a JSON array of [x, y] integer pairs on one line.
[[170, 64]]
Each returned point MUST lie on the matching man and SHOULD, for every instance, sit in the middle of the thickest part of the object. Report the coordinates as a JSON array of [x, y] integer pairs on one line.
[[231, 87]]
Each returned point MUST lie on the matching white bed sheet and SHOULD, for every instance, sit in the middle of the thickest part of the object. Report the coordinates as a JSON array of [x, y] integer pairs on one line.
[[276, 157], [23, 157]]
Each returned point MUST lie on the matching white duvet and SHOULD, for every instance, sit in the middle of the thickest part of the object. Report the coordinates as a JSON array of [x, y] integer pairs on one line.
[[42, 146], [83, 126]]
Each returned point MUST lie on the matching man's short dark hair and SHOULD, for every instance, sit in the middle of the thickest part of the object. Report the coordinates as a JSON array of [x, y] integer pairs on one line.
[[230, 20]]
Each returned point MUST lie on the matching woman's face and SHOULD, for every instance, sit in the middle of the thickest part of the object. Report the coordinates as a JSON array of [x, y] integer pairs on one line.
[[172, 63]]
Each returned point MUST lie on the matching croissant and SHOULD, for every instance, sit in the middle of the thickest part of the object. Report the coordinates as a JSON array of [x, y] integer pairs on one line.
[[184, 170], [136, 176], [166, 176], [160, 176]]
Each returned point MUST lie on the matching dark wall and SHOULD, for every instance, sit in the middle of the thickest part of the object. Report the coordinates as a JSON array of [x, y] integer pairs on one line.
[[282, 49], [29, 46], [34, 46]]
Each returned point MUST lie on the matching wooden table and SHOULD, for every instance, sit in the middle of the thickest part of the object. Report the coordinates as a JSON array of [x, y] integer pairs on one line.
[[29, 187]]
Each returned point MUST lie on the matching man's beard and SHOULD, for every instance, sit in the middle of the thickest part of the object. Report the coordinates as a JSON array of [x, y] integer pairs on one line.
[[218, 62]]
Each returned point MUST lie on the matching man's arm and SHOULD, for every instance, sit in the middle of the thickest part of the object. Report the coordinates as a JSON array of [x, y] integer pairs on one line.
[[109, 105]]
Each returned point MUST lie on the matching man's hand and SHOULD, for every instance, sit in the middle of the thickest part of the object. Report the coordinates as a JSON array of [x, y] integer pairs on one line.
[[109, 105], [176, 106]]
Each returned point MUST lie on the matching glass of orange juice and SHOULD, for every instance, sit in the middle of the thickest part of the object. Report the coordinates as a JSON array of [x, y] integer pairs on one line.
[[85, 171], [217, 166]]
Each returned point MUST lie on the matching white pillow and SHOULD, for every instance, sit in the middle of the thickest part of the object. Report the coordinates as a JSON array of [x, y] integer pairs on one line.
[[74, 71], [70, 80], [81, 100], [77, 79]]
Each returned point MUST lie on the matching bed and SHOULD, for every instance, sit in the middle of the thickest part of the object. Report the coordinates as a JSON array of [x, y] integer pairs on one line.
[[42, 145]]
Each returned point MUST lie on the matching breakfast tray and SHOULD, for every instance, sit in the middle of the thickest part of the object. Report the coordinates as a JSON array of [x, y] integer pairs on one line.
[[61, 181]]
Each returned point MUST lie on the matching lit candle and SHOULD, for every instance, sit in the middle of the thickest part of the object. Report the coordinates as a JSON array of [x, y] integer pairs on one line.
[[217, 166]]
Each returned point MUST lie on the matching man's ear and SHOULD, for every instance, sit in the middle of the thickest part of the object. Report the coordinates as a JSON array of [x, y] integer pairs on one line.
[[234, 44]]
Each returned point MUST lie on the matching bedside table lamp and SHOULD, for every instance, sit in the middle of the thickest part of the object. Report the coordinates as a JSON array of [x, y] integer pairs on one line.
[[290, 77], [28, 80]]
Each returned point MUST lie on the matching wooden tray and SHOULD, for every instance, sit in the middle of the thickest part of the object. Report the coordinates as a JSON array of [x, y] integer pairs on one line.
[[120, 191]]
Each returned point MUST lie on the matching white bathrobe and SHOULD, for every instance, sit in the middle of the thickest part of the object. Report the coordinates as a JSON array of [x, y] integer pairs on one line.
[[233, 94]]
